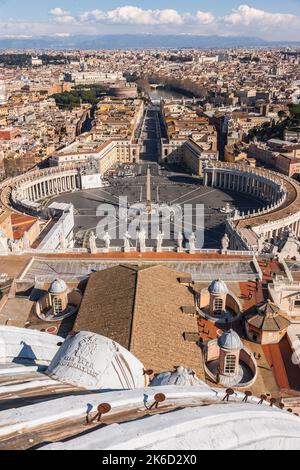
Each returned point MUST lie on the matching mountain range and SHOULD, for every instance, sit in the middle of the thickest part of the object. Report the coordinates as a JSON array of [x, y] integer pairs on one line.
[[137, 41]]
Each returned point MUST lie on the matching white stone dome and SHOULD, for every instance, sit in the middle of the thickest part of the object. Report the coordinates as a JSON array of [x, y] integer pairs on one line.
[[58, 286], [218, 287], [226, 426], [180, 376], [95, 362], [231, 341]]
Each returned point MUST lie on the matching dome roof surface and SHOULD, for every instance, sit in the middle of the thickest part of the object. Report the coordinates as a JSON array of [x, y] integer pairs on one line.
[[231, 426], [218, 287], [58, 286], [95, 362], [180, 376], [230, 340], [269, 317]]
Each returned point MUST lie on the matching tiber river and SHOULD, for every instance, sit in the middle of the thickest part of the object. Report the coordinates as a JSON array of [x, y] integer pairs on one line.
[[162, 93]]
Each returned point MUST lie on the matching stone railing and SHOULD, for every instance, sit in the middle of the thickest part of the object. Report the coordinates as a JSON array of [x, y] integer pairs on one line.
[[282, 195]]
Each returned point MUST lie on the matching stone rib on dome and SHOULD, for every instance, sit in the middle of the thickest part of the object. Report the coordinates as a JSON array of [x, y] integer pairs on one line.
[[268, 309]]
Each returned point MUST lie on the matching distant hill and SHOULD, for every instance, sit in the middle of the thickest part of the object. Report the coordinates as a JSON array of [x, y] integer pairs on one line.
[[140, 41]]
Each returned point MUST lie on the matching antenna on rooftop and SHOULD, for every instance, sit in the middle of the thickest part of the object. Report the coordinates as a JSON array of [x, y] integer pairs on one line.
[[229, 392], [102, 409], [159, 398], [262, 399], [248, 394]]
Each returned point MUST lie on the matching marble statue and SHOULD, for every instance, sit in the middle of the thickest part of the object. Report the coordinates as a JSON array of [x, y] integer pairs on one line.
[[92, 243], [3, 243], [107, 239], [192, 240], [236, 214], [26, 241], [260, 243], [10, 245], [14, 246], [160, 239], [142, 240], [225, 242], [126, 239], [179, 242]]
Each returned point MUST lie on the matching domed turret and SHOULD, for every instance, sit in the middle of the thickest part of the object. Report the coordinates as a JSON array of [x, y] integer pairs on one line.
[[58, 297], [230, 346], [218, 287], [230, 341], [218, 293], [58, 286], [58, 302]]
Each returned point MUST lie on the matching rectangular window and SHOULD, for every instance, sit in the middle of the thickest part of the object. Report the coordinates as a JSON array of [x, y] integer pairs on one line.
[[230, 364], [218, 306], [57, 305]]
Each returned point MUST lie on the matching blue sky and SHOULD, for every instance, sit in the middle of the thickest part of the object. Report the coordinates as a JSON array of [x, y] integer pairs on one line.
[[37, 9], [270, 20]]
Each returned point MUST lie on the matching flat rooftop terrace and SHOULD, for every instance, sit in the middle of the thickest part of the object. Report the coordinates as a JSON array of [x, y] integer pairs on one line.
[[228, 269]]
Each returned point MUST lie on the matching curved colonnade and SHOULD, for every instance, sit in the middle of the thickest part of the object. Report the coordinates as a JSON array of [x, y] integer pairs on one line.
[[280, 194], [23, 193]]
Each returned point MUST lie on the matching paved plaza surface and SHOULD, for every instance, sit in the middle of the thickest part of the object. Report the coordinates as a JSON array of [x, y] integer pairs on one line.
[[167, 186]]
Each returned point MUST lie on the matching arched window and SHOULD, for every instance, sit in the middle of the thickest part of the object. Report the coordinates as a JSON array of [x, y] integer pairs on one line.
[[230, 362], [57, 306]]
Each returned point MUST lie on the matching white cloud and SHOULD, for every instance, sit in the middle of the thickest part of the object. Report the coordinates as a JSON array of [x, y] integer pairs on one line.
[[242, 17], [247, 16], [133, 15], [62, 16], [205, 17], [90, 16], [243, 20], [58, 12], [62, 35], [130, 15]]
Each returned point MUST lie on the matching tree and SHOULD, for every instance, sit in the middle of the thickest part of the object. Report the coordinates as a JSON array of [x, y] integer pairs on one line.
[[295, 113], [281, 115]]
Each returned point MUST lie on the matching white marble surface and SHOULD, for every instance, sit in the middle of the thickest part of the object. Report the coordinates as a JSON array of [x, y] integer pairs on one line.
[[17, 344], [93, 362], [214, 427]]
